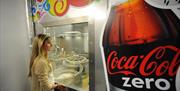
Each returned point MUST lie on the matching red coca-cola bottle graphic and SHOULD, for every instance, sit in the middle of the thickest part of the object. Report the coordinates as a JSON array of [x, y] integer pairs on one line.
[[141, 47]]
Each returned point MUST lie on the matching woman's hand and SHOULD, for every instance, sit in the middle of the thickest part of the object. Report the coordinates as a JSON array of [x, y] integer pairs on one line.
[[55, 85]]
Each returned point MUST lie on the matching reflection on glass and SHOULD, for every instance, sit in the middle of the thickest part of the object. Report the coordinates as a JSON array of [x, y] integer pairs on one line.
[[70, 55]]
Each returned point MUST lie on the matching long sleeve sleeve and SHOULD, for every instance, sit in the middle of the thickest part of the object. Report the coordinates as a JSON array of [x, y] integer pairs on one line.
[[42, 73]]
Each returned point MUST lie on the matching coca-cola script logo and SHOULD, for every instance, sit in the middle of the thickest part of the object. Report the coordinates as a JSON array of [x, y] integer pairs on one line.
[[144, 63]]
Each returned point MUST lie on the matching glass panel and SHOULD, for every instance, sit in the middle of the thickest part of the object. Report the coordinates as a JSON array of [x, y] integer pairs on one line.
[[70, 55]]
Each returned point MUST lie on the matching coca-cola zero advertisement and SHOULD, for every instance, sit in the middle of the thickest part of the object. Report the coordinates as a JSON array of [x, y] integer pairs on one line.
[[141, 47]]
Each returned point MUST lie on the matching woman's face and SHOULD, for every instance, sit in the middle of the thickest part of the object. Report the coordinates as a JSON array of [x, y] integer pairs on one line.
[[47, 45]]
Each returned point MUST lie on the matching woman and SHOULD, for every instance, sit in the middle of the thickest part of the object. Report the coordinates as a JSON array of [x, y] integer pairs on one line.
[[40, 66]]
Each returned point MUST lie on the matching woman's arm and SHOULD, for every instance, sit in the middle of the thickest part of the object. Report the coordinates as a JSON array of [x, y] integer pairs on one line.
[[42, 73]]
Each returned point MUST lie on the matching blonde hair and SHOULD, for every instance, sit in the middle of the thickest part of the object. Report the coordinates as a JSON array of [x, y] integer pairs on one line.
[[37, 50]]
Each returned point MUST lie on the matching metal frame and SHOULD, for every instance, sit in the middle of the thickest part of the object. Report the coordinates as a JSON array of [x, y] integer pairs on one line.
[[60, 22], [91, 32]]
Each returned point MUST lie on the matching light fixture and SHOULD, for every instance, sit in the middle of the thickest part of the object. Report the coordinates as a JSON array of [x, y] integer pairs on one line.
[[94, 11]]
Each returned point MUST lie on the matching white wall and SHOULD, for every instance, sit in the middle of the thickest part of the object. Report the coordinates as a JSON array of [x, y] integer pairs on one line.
[[14, 50]]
